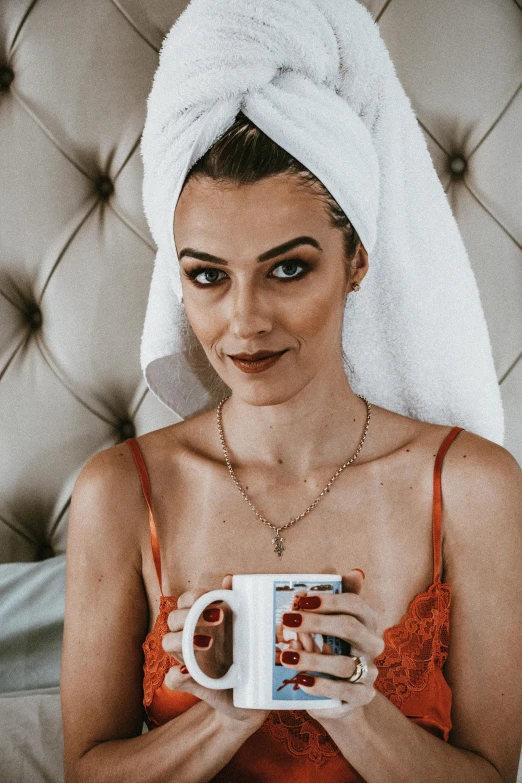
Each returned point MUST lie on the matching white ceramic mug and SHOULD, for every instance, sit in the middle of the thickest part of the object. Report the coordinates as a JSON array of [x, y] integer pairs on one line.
[[258, 602]]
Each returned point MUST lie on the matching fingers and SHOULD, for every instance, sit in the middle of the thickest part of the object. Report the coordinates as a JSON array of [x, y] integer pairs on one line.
[[212, 616], [171, 643], [341, 603], [176, 677], [343, 626], [350, 694], [342, 666], [227, 582], [353, 693], [188, 598]]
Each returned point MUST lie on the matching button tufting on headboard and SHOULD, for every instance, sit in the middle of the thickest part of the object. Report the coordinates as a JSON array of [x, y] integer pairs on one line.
[[127, 430], [104, 187], [458, 166], [33, 316], [6, 77]]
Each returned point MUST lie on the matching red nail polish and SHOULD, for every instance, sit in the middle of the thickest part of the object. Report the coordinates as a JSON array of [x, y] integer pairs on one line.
[[310, 602], [183, 669], [289, 656], [202, 640], [217, 602], [212, 615], [292, 619], [362, 572], [305, 679]]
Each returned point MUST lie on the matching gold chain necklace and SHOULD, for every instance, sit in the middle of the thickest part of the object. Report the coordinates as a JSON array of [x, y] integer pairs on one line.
[[278, 540]]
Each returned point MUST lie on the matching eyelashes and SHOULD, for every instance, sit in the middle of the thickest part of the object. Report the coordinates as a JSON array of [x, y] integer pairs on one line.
[[192, 274]]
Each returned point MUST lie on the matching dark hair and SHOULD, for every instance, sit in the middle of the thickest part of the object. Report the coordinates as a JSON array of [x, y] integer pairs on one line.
[[244, 155]]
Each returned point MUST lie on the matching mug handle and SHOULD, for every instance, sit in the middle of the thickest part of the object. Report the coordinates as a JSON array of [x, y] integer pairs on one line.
[[228, 680]]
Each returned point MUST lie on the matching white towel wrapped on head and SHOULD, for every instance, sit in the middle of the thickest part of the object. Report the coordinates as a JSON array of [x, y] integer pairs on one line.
[[317, 78]]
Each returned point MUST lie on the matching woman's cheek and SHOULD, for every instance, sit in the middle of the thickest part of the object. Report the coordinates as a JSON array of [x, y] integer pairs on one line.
[[315, 319]]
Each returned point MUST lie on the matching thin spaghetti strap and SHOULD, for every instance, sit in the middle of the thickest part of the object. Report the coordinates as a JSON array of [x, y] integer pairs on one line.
[[145, 485], [437, 501]]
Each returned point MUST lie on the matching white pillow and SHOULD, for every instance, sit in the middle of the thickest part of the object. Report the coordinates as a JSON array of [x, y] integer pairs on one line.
[[32, 605]]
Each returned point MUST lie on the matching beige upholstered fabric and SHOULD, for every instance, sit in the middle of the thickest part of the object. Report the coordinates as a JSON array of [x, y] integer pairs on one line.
[[31, 740], [76, 256]]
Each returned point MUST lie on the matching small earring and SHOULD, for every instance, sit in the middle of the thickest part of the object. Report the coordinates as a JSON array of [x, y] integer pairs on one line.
[[355, 287]]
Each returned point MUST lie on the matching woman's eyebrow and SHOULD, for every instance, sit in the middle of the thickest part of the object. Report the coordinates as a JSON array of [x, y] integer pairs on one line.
[[276, 251]]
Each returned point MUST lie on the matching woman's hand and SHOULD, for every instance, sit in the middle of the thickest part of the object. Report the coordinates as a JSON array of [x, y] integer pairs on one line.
[[346, 616], [214, 659]]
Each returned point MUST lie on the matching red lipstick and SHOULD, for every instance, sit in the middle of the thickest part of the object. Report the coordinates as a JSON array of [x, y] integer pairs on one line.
[[256, 362]]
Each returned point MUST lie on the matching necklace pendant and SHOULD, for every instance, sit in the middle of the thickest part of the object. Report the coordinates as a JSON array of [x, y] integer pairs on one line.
[[277, 541]]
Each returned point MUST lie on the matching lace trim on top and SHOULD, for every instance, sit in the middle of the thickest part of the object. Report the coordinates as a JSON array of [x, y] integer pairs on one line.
[[157, 661], [413, 648], [416, 645], [302, 735]]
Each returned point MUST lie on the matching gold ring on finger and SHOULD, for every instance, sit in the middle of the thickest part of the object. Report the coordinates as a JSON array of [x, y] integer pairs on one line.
[[361, 668]]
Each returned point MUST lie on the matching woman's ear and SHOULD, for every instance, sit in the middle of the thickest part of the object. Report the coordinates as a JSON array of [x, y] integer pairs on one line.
[[359, 265]]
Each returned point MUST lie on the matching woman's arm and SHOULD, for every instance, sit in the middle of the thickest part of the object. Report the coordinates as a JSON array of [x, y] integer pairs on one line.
[[191, 748], [482, 527], [106, 621]]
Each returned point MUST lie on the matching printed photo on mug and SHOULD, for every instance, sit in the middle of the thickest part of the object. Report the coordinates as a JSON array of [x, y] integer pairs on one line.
[[286, 597]]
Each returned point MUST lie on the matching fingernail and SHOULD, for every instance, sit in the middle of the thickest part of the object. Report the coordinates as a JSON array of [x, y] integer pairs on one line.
[[292, 619], [183, 669], [212, 615], [217, 602], [359, 569], [310, 602], [228, 575], [305, 679], [202, 640], [289, 656]]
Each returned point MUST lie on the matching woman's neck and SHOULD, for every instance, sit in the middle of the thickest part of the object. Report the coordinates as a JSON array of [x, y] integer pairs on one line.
[[322, 423]]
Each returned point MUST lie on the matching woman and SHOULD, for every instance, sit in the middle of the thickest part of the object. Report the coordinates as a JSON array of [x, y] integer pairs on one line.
[[268, 262]]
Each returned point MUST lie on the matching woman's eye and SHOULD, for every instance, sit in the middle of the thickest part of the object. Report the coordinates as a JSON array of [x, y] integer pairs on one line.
[[211, 275], [289, 268]]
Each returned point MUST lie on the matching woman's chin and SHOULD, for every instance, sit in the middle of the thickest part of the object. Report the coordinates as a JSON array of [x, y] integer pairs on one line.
[[263, 393]]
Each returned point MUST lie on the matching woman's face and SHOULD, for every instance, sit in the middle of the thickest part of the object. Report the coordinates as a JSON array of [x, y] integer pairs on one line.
[[262, 269]]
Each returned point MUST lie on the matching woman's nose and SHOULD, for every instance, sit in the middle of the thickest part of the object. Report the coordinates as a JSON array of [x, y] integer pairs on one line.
[[249, 314]]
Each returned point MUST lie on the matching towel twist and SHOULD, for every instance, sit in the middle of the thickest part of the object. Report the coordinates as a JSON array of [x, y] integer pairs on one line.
[[317, 78]]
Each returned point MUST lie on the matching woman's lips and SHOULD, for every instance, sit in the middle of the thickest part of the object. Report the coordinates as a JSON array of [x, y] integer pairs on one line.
[[259, 365]]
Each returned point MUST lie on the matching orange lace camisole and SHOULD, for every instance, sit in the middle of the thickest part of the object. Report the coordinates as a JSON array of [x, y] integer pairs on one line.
[[291, 745]]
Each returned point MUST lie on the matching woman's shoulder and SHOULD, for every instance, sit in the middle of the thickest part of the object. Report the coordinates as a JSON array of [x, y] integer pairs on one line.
[[115, 464], [195, 437], [484, 454], [107, 505], [111, 475], [108, 488], [481, 484], [474, 463]]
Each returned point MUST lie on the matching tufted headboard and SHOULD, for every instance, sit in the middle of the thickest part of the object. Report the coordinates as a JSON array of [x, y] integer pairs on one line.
[[76, 257]]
